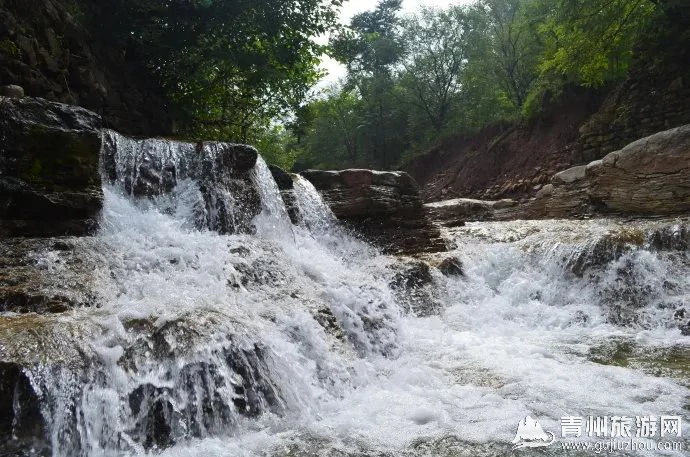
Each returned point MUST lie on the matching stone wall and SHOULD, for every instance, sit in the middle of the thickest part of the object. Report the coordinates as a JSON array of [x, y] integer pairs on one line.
[[46, 49]]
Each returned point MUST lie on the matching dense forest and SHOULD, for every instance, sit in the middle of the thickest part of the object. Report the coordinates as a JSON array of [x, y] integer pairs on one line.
[[245, 71]]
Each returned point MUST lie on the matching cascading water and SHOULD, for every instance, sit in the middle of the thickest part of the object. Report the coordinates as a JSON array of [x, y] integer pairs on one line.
[[222, 330]]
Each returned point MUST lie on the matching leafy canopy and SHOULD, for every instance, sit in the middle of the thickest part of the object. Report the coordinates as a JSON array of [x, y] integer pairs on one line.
[[230, 66]]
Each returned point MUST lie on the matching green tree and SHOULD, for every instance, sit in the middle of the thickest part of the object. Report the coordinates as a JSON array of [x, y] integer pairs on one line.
[[435, 57], [230, 66], [514, 50], [591, 42], [371, 48], [335, 137]]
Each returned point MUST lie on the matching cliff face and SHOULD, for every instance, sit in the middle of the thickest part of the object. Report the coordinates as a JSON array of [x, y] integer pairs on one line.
[[46, 47]]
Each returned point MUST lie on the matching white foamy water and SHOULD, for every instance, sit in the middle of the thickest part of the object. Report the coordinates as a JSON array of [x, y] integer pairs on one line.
[[292, 342]]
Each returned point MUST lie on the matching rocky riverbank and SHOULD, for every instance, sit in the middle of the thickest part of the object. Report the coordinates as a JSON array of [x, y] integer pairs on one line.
[[647, 178]]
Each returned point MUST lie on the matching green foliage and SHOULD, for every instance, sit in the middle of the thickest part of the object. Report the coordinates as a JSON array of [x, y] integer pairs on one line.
[[241, 70], [277, 146], [413, 80], [545, 91], [590, 42], [75, 10], [514, 47], [10, 49], [230, 66], [437, 44]]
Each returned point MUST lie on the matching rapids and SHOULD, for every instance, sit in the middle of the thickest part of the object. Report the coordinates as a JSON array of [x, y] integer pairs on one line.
[[290, 340]]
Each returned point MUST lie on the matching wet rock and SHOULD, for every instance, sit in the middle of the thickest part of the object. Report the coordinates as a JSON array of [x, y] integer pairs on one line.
[[231, 198], [282, 178], [680, 314], [202, 396], [12, 91], [49, 168], [228, 199], [44, 275], [328, 321], [286, 185], [154, 416], [605, 250], [672, 237], [385, 207], [413, 285], [412, 274], [685, 329], [626, 297], [21, 425], [451, 266]]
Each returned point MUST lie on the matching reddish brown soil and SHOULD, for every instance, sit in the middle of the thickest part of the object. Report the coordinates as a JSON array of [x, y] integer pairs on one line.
[[505, 160]]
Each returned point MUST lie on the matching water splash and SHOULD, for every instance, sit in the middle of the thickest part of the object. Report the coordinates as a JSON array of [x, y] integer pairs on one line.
[[273, 219], [291, 341], [314, 213]]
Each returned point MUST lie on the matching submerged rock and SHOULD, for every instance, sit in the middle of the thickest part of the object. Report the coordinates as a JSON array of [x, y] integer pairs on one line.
[[44, 275], [413, 285], [49, 168], [385, 207], [190, 377], [21, 424], [451, 266]]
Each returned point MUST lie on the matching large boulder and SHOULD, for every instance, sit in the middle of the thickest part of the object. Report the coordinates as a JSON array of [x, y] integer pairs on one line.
[[649, 177], [49, 168], [385, 207]]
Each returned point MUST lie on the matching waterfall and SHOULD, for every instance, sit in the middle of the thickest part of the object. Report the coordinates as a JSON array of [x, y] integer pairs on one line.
[[274, 215], [314, 214], [218, 328]]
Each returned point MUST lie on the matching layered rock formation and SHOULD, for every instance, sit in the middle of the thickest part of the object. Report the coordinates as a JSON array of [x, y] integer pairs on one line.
[[385, 207], [649, 177], [49, 168]]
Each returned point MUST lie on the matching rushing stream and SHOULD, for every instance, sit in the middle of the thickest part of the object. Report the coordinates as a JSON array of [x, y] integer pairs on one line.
[[294, 340]]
